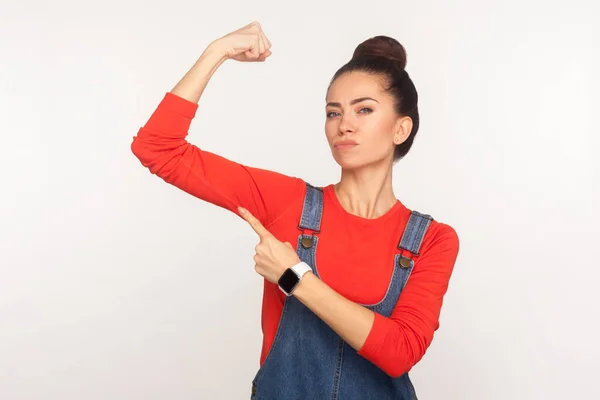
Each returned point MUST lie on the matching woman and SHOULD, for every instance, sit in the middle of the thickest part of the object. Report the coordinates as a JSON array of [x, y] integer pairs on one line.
[[343, 322]]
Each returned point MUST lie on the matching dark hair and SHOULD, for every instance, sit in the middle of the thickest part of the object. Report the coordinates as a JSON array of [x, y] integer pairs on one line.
[[385, 56]]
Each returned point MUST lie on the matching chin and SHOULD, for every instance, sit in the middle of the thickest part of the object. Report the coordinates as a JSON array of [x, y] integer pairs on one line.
[[356, 162], [349, 163]]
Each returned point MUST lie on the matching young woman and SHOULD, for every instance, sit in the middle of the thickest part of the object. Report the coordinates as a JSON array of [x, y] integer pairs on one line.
[[354, 280]]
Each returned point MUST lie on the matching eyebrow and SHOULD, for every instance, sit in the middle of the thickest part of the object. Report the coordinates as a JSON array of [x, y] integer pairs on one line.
[[334, 104]]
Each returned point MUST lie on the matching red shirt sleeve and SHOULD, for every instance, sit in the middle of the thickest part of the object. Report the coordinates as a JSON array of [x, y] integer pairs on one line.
[[161, 146], [397, 343]]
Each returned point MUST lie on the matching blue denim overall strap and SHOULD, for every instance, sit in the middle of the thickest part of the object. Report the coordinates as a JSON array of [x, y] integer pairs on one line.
[[308, 360]]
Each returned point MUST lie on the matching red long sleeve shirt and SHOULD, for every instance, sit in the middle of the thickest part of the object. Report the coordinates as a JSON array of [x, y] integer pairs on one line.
[[362, 274]]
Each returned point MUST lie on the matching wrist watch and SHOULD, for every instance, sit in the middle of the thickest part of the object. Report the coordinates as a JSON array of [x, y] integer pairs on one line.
[[290, 279]]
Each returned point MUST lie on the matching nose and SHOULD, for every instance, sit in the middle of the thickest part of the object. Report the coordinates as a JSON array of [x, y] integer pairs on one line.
[[346, 124]]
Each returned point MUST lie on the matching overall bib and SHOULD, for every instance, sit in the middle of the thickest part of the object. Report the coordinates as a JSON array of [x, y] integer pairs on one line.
[[308, 360]]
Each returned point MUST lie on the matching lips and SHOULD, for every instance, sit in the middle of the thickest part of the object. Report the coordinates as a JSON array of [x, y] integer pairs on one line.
[[345, 143]]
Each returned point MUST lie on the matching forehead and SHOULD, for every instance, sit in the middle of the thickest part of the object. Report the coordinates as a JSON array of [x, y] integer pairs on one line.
[[355, 84]]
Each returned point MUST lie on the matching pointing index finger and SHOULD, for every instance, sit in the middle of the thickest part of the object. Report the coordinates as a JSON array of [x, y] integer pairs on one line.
[[254, 223]]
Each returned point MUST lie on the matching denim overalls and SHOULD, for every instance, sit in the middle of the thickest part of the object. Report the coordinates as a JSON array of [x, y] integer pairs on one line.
[[308, 360]]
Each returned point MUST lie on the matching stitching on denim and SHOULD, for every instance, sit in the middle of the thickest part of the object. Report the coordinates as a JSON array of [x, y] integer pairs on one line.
[[313, 255], [393, 279], [338, 371], [414, 233], [425, 222], [408, 274], [275, 342], [312, 209]]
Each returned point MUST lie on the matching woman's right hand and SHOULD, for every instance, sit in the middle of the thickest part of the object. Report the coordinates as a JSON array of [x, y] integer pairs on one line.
[[246, 44]]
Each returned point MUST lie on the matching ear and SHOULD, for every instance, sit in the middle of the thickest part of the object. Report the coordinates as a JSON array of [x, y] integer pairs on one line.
[[402, 129]]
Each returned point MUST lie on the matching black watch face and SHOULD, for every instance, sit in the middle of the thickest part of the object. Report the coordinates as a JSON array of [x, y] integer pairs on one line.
[[288, 280]]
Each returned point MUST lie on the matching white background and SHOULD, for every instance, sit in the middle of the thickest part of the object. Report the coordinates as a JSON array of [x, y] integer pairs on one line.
[[115, 285]]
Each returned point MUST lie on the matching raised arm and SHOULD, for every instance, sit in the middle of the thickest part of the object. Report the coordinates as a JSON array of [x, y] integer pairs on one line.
[[161, 144]]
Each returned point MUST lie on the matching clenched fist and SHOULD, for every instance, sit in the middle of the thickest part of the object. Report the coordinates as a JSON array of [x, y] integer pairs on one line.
[[246, 44]]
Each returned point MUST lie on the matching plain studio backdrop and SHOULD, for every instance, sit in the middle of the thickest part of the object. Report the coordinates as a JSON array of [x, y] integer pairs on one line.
[[115, 285]]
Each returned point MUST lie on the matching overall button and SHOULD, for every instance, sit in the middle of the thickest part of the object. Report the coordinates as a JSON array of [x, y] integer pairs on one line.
[[307, 242], [405, 262]]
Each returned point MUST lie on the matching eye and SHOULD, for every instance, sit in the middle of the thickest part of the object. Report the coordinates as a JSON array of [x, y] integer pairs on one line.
[[364, 110]]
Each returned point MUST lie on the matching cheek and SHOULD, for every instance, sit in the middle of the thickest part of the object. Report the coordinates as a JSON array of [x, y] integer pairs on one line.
[[381, 132], [330, 131]]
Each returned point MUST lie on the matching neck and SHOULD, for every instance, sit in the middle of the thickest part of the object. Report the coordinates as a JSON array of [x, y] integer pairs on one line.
[[366, 192]]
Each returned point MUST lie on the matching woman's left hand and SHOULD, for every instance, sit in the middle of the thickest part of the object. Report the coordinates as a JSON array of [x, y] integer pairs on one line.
[[272, 256]]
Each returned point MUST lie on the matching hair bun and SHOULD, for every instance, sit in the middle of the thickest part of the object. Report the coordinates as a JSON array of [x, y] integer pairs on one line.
[[381, 47]]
